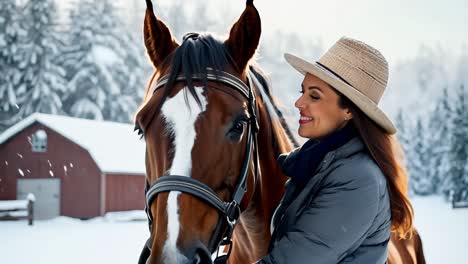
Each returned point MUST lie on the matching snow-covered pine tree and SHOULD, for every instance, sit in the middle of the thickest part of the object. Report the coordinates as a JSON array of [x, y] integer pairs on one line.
[[42, 80], [404, 137], [121, 101], [458, 182], [10, 30], [419, 173], [87, 90], [10, 33], [137, 62], [103, 65], [439, 127], [403, 130]]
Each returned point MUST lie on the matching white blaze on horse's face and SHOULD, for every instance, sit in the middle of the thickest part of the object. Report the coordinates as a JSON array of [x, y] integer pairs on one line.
[[181, 123]]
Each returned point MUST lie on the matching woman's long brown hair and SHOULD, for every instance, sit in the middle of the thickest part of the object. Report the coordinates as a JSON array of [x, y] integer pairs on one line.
[[388, 154]]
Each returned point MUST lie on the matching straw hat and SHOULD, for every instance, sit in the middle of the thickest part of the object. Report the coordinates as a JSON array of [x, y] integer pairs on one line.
[[355, 69]]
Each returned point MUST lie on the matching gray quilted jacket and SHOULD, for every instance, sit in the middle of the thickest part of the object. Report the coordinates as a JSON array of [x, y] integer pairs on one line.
[[342, 215]]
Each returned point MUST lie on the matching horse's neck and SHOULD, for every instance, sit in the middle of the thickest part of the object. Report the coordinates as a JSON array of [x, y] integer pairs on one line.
[[252, 234]]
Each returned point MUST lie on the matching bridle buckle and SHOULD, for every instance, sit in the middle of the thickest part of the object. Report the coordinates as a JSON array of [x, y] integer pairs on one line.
[[233, 212]]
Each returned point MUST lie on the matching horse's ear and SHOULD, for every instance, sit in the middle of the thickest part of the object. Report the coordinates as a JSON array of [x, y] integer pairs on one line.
[[159, 41], [244, 36]]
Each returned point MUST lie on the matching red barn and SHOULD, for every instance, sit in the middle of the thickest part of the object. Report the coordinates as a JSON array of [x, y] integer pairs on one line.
[[75, 167]]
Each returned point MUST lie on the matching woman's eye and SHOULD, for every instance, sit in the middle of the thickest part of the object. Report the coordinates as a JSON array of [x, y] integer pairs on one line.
[[313, 96]]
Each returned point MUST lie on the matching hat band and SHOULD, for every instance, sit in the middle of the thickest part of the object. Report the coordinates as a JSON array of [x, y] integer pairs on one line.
[[334, 73]]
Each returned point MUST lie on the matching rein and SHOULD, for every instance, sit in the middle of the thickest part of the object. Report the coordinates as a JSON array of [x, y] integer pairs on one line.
[[230, 211]]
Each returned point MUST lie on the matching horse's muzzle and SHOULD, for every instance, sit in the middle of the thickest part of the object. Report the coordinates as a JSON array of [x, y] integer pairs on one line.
[[199, 254]]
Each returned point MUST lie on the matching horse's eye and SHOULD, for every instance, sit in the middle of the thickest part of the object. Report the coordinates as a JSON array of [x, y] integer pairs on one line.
[[235, 133], [238, 127]]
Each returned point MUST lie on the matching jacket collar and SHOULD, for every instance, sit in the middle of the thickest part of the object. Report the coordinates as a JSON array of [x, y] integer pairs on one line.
[[294, 162], [352, 147]]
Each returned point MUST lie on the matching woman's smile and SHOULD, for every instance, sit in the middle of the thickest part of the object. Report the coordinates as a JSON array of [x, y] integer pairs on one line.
[[305, 119]]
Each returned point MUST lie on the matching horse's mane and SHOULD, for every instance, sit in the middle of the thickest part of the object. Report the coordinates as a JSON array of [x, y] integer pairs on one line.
[[279, 125]]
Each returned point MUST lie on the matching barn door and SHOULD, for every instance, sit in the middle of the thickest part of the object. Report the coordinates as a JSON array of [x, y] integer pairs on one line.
[[47, 193]]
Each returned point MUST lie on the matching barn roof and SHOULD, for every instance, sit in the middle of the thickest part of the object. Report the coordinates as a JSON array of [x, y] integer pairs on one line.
[[114, 146]]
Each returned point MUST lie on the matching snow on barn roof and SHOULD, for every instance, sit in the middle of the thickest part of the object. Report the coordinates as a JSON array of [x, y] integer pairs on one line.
[[114, 146]]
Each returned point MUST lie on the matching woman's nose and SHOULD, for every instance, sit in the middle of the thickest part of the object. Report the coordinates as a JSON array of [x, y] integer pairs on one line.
[[298, 104]]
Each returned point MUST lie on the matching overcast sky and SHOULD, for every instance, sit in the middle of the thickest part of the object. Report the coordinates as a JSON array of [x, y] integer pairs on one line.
[[398, 28]]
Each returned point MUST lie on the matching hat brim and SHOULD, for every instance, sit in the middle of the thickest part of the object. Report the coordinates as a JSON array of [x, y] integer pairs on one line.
[[363, 102]]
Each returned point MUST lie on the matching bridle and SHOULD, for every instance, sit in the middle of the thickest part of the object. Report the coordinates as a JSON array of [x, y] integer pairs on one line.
[[230, 211]]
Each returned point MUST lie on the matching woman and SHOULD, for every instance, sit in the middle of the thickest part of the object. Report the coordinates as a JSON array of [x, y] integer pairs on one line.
[[347, 191]]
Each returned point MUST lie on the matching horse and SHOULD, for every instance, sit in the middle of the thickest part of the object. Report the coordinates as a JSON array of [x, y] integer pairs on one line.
[[213, 132]]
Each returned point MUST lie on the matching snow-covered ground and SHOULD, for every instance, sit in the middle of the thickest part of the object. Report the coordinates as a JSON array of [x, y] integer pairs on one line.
[[444, 231], [68, 240], [116, 238]]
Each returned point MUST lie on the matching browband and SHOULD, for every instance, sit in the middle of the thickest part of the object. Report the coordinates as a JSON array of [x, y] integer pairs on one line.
[[211, 75]]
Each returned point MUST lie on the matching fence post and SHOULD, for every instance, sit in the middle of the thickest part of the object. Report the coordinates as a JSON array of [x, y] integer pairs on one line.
[[30, 212]]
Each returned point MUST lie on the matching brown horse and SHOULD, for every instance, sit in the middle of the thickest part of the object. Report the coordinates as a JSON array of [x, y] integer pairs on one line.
[[200, 117]]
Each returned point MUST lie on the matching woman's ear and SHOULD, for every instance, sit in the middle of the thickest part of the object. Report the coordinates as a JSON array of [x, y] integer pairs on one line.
[[348, 114]]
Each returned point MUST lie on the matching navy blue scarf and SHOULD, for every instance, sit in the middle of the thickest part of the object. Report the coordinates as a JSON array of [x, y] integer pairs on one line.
[[302, 164]]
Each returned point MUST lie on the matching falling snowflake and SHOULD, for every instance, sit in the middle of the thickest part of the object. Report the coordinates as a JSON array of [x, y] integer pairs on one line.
[[19, 155], [6, 162], [65, 169], [17, 106], [71, 165], [21, 172], [28, 171], [51, 173], [50, 164]]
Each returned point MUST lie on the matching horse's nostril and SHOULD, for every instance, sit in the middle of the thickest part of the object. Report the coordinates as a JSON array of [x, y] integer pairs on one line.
[[196, 259], [201, 255]]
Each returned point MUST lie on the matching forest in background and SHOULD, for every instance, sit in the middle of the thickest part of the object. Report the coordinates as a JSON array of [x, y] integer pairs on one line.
[[90, 62]]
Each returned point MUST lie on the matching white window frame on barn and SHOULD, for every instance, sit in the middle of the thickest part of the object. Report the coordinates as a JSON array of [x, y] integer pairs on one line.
[[39, 141]]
